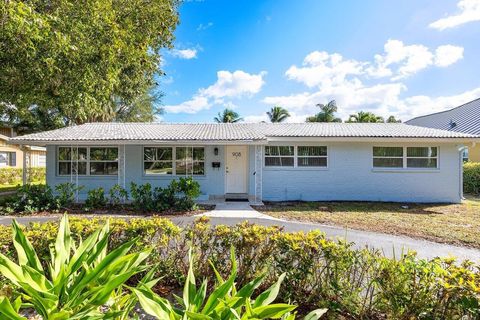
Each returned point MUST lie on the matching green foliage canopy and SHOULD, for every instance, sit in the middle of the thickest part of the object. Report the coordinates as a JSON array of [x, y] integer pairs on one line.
[[326, 114], [92, 60]]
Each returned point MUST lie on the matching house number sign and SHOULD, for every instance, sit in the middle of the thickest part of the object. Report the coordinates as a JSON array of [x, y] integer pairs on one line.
[[236, 154]]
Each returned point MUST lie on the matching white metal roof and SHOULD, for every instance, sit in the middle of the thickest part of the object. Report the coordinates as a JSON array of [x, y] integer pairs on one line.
[[97, 132]]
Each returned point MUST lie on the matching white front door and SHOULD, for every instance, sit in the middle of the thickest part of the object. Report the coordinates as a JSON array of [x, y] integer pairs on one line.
[[236, 169]]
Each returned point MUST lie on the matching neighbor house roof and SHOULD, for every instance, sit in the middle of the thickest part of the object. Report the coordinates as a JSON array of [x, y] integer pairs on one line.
[[465, 118], [132, 132]]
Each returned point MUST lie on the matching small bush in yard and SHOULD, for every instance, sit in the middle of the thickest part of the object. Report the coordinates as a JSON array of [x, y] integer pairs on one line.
[[96, 199], [118, 195], [66, 193], [32, 198], [471, 177], [142, 196]]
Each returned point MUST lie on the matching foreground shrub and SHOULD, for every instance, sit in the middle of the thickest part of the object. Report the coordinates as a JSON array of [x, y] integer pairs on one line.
[[78, 280], [319, 273], [224, 302], [471, 177], [15, 175]]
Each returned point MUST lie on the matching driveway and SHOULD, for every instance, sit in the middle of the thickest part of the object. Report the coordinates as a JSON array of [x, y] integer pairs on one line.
[[389, 244]]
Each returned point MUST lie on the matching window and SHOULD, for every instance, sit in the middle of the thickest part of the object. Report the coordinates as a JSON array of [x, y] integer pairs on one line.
[[103, 161], [87, 160], [312, 156], [8, 159], [405, 157], [72, 158], [279, 156], [190, 161], [3, 159], [158, 160], [388, 157], [422, 157]]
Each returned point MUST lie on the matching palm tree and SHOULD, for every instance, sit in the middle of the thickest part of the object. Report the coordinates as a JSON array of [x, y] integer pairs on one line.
[[278, 114], [227, 116], [392, 119], [327, 113], [363, 116]]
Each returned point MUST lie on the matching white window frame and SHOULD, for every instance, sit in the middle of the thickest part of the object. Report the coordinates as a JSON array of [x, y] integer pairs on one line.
[[174, 160], [296, 156], [407, 157], [404, 159], [388, 157], [281, 156], [87, 161], [158, 174]]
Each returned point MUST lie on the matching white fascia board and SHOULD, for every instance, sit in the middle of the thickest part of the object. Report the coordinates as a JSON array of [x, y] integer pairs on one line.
[[372, 139], [138, 142]]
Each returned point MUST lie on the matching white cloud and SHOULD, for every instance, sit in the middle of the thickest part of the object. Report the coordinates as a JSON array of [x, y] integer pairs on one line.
[[420, 105], [185, 53], [196, 104], [409, 59], [447, 55], [234, 84], [469, 12], [359, 85], [322, 68], [202, 26], [228, 85]]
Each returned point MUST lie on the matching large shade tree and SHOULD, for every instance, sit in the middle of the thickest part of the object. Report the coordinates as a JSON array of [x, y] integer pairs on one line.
[[278, 114], [363, 116], [326, 114], [89, 61], [227, 116]]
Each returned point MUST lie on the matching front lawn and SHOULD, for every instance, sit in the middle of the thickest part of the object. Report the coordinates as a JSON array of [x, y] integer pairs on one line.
[[449, 223]]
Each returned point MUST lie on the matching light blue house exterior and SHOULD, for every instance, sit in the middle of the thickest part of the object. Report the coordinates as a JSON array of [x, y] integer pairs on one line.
[[263, 162]]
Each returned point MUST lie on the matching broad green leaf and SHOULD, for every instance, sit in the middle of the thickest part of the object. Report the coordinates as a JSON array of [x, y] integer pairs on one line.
[[269, 295], [7, 311], [315, 314], [25, 251], [189, 289], [198, 316], [219, 293], [272, 311], [62, 247], [151, 306]]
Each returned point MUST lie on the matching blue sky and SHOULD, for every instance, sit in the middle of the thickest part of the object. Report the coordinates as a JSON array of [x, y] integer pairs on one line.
[[402, 58]]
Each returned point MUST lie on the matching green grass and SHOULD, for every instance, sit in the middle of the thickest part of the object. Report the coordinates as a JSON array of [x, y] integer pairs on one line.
[[15, 186], [449, 223]]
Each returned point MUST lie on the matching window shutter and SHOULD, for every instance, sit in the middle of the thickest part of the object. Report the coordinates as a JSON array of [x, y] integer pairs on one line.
[[13, 159]]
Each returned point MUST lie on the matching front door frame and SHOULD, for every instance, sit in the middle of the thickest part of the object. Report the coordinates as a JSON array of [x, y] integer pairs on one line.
[[246, 175]]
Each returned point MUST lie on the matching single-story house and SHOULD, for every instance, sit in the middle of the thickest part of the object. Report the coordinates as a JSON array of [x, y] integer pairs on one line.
[[263, 161], [11, 155], [464, 118]]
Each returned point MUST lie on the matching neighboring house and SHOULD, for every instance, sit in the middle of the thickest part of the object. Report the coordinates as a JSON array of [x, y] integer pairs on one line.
[[12, 155], [263, 161], [465, 118]]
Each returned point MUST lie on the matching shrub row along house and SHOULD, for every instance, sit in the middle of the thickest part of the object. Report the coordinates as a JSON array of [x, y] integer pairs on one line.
[[263, 161]]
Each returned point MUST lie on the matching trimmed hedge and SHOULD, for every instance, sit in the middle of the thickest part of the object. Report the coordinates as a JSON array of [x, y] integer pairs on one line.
[[471, 177], [14, 175], [353, 284]]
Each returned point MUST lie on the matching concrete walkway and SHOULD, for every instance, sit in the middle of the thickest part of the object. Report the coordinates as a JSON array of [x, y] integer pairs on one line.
[[241, 210]]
